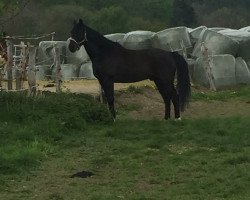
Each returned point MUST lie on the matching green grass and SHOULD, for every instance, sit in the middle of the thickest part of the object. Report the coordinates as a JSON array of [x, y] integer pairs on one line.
[[46, 139], [242, 93], [31, 128]]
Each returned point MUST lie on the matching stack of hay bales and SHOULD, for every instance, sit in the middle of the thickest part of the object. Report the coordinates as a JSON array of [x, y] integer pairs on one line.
[[116, 37], [172, 39], [46, 68], [137, 40], [227, 56], [226, 53]]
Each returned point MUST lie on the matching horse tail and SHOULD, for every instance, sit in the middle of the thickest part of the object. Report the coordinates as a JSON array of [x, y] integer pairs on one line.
[[183, 80]]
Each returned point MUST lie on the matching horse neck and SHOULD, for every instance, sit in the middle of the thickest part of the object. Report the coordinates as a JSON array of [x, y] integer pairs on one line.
[[97, 45]]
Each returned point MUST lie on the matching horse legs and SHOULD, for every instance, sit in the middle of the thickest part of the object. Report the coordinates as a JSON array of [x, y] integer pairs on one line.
[[108, 87], [176, 103], [165, 91]]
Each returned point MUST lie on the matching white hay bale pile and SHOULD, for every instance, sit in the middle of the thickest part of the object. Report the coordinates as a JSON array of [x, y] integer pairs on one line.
[[136, 40], [247, 28], [216, 43], [242, 72], [116, 37], [77, 58], [218, 29], [191, 64], [222, 69], [172, 39], [243, 38], [43, 72], [45, 51], [86, 71], [195, 33], [68, 72]]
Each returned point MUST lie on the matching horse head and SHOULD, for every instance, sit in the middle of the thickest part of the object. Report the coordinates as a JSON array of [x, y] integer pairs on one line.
[[78, 36]]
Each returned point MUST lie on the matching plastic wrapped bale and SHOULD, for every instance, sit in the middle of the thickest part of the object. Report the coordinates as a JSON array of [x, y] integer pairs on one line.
[[43, 72], [172, 39], [217, 29], [77, 58], [216, 43], [245, 29], [138, 40], [191, 64], [45, 51], [243, 38], [195, 33], [86, 71], [68, 72], [248, 64], [116, 37], [222, 69], [242, 72]]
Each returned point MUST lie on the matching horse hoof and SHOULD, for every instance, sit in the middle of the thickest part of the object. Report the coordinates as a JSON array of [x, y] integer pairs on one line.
[[178, 119]]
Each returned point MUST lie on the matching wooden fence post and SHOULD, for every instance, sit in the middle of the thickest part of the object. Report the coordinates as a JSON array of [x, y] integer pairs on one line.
[[9, 63], [23, 65], [208, 66], [31, 72], [19, 69], [58, 73], [2, 65]]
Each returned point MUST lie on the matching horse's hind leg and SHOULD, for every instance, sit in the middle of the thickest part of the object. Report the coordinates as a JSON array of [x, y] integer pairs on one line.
[[165, 90], [108, 87], [176, 103]]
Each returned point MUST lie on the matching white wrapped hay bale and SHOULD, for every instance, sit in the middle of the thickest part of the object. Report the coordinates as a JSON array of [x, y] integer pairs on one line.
[[195, 33], [248, 64], [243, 38], [222, 68], [245, 29], [68, 72], [216, 44], [43, 72], [116, 37], [136, 40], [86, 71], [242, 72], [45, 51], [217, 29], [172, 39], [191, 64], [77, 58]]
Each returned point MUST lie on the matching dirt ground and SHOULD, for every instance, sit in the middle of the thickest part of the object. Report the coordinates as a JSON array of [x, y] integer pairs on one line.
[[151, 104]]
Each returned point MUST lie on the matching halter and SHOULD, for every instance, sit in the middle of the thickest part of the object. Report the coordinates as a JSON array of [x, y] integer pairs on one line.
[[81, 42]]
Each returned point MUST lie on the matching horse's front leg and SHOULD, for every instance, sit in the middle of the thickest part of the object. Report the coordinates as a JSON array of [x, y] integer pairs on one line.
[[108, 87]]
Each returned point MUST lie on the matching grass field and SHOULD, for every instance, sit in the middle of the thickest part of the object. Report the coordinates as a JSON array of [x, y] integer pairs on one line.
[[47, 139]]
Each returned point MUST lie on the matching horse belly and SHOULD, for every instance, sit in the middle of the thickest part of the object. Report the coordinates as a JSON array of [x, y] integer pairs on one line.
[[130, 77]]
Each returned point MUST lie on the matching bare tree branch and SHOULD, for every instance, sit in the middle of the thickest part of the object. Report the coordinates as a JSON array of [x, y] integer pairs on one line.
[[12, 11]]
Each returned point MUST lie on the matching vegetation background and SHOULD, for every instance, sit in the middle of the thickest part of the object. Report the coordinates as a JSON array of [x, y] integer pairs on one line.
[[28, 17]]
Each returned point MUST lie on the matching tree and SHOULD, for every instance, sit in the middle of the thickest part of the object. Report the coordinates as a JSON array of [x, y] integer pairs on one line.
[[183, 14], [9, 9], [219, 18]]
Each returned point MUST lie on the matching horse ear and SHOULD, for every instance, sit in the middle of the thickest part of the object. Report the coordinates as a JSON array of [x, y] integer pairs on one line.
[[80, 21]]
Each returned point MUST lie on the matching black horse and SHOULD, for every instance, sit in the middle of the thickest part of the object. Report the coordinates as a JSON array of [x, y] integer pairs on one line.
[[112, 63]]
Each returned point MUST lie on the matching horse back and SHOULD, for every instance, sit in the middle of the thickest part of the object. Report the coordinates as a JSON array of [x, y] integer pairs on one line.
[[125, 65]]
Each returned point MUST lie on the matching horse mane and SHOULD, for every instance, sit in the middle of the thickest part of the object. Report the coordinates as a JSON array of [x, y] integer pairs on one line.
[[100, 39]]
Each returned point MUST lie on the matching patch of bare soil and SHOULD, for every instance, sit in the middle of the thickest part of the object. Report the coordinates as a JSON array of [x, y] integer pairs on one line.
[[151, 104]]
